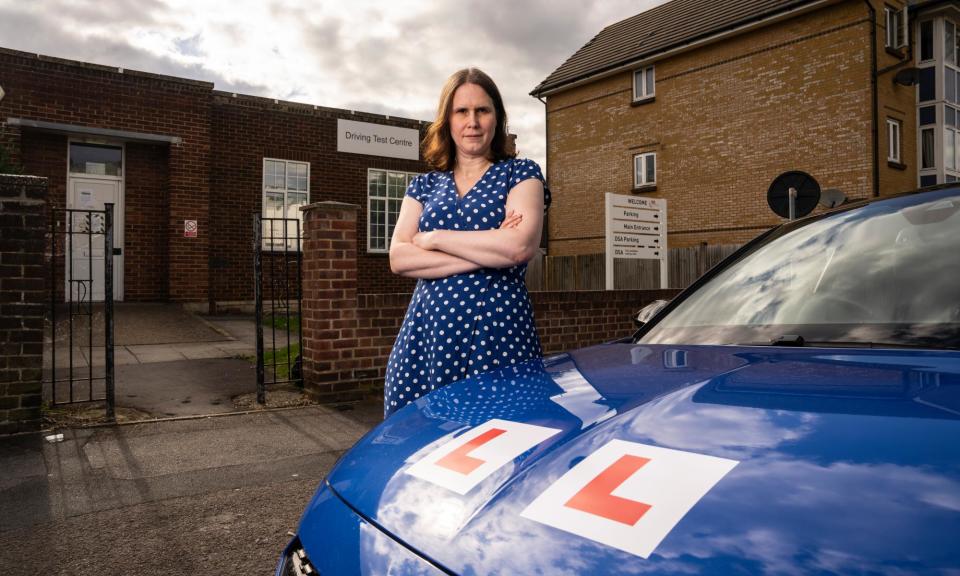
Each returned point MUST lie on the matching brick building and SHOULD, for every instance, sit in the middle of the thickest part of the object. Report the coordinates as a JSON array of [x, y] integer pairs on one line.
[[171, 151], [705, 103]]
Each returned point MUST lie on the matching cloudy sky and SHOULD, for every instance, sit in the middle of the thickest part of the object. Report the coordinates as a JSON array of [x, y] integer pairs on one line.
[[384, 56]]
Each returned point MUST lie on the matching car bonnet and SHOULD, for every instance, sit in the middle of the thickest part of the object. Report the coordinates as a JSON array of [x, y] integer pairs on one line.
[[767, 459]]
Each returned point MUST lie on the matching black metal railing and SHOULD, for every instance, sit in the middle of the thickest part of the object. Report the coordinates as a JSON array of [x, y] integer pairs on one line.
[[278, 281], [78, 297]]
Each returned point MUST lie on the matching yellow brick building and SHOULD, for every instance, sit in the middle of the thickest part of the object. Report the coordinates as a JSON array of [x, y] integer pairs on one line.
[[705, 103]]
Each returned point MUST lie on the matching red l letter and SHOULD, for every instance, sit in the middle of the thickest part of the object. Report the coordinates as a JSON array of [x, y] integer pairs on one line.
[[596, 498], [460, 461]]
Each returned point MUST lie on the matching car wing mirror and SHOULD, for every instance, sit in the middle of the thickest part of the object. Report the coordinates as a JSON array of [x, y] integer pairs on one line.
[[648, 312]]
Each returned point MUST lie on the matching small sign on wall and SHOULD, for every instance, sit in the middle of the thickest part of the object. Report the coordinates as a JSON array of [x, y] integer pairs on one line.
[[377, 140], [189, 228]]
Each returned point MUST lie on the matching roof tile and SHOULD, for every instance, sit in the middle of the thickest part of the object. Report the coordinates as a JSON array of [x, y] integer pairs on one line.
[[657, 30]]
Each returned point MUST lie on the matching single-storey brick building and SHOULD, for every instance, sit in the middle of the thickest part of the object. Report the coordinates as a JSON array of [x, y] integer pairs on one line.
[[187, 166]]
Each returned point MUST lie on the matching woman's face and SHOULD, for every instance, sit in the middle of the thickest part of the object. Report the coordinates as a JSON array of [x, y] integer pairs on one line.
[[473, 121]]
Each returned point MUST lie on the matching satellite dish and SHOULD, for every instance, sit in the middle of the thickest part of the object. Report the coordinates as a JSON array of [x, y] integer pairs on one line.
[[907, 77], [832, 197], [793, 194]]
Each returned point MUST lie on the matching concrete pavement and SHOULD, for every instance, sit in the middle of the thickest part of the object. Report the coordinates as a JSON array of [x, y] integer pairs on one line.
[[151, 333], [168, 362], [208, 495]]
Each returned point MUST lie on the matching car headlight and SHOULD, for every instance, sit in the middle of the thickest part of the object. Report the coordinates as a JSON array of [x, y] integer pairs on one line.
[[297, 563]]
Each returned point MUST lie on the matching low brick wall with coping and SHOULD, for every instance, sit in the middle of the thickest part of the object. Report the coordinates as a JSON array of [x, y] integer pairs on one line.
[[347, 337], [22, 300]]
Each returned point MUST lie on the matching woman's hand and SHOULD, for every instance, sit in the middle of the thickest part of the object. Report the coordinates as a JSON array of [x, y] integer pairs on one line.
[[512, 220], [424, 240]]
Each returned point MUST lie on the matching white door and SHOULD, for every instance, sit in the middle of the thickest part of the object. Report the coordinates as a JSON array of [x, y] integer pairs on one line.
[[87, 251]]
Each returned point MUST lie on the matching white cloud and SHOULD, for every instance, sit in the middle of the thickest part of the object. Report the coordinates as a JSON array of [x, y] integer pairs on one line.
[[377, 56]]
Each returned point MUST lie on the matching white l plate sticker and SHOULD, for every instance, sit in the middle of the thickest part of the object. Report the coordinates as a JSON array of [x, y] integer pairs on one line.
[[628, 495], [464, 462]]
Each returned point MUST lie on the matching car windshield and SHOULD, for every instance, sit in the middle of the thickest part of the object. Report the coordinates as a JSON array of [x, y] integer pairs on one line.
[[883, 274]]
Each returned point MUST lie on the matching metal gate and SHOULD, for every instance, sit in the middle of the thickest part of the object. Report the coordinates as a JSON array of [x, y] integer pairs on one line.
[[81, 308], [278, 281]]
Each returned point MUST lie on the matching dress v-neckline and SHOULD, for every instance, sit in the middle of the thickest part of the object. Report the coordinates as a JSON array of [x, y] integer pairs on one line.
[[456, 190]]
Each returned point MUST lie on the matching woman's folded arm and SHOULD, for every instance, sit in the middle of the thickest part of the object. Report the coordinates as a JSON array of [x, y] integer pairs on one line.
[[407, 259], [499, 248]]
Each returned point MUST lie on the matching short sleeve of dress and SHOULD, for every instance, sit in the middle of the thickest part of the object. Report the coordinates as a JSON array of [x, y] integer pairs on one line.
[[524, 169], [417, 190]]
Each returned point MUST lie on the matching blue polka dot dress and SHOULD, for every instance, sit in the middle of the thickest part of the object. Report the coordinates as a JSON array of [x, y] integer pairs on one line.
[[467, 323]]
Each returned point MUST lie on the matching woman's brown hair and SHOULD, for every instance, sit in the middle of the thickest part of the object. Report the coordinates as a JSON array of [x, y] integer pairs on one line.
[[439, 150]]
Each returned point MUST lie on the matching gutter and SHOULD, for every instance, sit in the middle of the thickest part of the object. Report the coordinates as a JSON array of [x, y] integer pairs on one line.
[[875, 105], [545, 232]]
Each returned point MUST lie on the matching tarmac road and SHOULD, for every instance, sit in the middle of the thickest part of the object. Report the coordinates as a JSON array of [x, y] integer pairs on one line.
[[198, 496]]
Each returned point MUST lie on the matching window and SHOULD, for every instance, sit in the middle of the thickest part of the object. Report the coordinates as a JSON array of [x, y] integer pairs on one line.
[[286, 187], [927, 154], [643, 83], [926, 40], [949, 85], [385, 189], [951, 143], [949, 42], [893, 140], [863, 275], [894, 28], [96, 159], [928, 81], [938, 100], [645, 169]]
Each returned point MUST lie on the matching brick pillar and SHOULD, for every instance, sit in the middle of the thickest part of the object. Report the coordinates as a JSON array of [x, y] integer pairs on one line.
[[22, 301], [331, 369]]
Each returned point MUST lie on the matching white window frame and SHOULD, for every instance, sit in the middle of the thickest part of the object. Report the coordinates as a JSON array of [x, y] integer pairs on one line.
[[640, 172], [931, 169], [895, 36], [894, 130], [98, 143], [946, 138], [643, 94], [291, 244], [386, 198]]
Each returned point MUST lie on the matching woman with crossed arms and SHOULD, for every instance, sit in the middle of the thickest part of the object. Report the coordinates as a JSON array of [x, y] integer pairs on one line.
[[466, 231]]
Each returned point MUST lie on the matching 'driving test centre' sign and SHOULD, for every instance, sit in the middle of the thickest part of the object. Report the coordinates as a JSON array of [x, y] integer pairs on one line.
[[377, 140], [636, 228]]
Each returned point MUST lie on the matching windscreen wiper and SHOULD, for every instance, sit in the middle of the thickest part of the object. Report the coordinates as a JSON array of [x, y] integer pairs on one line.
[[795, 340]]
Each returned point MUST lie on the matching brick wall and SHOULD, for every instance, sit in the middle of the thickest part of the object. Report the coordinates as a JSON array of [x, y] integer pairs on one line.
[[22, 297], [727, 119], [146, 213], [348, 336], [170, 183], [568, 320], [899, 103], [287, 131]]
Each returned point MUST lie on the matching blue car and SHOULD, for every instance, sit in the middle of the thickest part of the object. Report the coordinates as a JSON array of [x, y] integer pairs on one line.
[[797, 410]]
